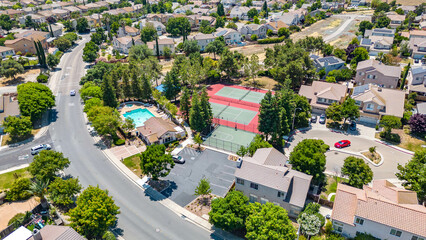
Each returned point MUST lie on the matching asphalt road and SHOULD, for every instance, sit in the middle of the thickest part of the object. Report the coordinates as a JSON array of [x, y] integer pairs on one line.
[[141, 217]]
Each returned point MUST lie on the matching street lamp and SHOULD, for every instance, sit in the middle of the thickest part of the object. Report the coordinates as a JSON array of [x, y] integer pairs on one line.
[[294, 116]]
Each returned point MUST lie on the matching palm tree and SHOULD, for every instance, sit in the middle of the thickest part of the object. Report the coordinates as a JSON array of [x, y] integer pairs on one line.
[[39, 189]]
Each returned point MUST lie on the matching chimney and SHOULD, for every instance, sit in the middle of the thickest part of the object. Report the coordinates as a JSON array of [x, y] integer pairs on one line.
[[37, 234]]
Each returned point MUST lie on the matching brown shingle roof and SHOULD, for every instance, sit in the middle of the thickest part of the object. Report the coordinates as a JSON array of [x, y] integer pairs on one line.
[[386, 70], [53, 232], [383, 203], [156, 127]]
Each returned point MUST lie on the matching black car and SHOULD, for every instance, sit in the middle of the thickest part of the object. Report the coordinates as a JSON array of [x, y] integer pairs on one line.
[[352, 127], [178, 159], [313, 119], [322, 119]]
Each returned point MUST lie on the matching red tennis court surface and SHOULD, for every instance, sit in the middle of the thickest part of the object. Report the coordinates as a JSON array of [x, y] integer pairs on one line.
[[238, 97]]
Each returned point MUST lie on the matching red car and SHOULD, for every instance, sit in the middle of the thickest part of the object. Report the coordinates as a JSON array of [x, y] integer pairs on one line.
[[342, 144]]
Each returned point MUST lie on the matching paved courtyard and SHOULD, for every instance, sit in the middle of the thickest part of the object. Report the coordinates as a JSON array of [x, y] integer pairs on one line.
[[210, 164]]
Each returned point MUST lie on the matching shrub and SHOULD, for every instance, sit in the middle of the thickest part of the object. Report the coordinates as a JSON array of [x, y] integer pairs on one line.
[[253, 37], [42, 78], [16, 220], [271, 40], [28, 54], [19, 190], [119, 142], [328, 228], [392, 137]]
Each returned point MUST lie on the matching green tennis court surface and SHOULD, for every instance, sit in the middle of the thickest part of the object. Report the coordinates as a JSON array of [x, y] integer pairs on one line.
[[241, 94], [232, 114], [229, 139]]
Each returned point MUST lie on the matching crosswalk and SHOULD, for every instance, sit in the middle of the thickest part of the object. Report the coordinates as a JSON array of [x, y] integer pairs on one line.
[[190, 151]]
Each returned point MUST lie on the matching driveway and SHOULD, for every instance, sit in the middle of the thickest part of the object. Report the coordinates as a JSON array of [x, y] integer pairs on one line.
[[210, 164]]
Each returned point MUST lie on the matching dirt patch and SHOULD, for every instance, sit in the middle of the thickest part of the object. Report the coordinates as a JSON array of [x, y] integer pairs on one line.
[[8, 210], [374, 157], [408, 141], [333, 24], [261, 82], [201, 205], [410, 2], [27, 76]]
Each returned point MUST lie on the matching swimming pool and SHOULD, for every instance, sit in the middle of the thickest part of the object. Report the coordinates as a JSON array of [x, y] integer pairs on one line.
[[139, 116]]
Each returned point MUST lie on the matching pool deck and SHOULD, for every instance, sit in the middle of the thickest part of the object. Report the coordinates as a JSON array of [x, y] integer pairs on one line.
[[152, 109]]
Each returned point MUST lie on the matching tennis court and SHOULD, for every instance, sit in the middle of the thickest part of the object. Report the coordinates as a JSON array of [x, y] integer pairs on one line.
[[241, 94], [229, 139], [232, 114]]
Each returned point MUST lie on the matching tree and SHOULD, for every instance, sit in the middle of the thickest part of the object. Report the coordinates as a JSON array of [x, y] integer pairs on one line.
[[252, 13], [34, 99], [350, 110], [283, 32], [413, 174], [206, 28], [5, 22], [198, 140], [52, 60], [269, 221], [82, 25], [418, 123], [334, 112], [190, 46], [155, 163], [19, 190], [228, 63], [359, 54], [62, 192], [220, 22], [195, 114], [206, 109], [242, 151], [179, 26], [138, 53], [90, 90], [257, 143], [232, 25], [47, 164], [251, 67], [171, 84], [94, 214], [314, 209], [90, 52], [390, 122], [148, 33], [382, 7], [220, 11], [308, 157], [309, 224], [38, 188], [215, 47], [104, 119], [253, 37], [63, 44], [127, 88], [203, 188], [108, 92], [17, 127], [265, 9], [11, 68], [358, 172], [229, 213], [185, 104], [364, 25], [269, 116], [167, 52], [383, 22]]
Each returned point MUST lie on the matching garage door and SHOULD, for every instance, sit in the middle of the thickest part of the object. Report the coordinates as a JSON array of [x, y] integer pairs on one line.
[[368, 120]]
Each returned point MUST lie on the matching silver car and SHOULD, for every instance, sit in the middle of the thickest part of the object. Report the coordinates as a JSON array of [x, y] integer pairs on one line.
[[35, 150]]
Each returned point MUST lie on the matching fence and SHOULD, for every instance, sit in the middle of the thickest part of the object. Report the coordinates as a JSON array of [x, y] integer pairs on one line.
[[232, 100], [222, 144], [249, 128], [323, 202]]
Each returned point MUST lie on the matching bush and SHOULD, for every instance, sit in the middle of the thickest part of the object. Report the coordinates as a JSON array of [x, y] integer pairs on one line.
[[271, 40], [254, 37], [20, 219], [392, 137], [42, 78], [119, 142], [18, 191], [328, 227]]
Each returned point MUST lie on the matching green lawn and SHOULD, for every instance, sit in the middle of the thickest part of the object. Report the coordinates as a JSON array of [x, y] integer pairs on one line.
[[6, 179], [331, 186], [133, 163]]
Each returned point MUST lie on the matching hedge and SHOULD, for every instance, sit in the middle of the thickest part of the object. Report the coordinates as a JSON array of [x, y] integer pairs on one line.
[[42, 78], [271, 40]]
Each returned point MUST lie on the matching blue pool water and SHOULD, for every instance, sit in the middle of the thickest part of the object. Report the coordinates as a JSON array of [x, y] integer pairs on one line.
[[139, 116]]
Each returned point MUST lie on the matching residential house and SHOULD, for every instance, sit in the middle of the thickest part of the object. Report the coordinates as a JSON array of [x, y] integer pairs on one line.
[[163, 18], [382, 210], [322, 94], [159, 131], [123, 44], [35, 18], [328, 63], [184, 9], [357, 3], [200, 11], [375, 102], [385, 32], [83, 8], [14, 14], [193, 20], [240, 13], [209, 19], [72, 9], [230, 35], [5, 52], [416, 81], [396, 20], [46, 13], [421, 108], [251, 29], [265, 177], [127, 31], [25, 45], [290, 18], [418, 43], [373, 71], [65, 4], [94, 20], [162, 44], [31, 33], [8, 107], [376, 44], [203, 39], [276, 25], [48, 232], [57, 30], [408, 9], [61, 13], [161, 29]]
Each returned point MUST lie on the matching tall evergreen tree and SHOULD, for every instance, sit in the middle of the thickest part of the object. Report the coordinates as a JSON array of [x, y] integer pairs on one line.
[[206, 108], [171, 84], [42, 54], [127, 89], [220, 10], [38, 52], [108, 95], [146, 88], [269, 116], [265, 9], [136, 86], [196, 120], [185, 103]]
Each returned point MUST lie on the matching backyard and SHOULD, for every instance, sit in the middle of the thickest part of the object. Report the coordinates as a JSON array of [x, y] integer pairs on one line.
[[331, 187]]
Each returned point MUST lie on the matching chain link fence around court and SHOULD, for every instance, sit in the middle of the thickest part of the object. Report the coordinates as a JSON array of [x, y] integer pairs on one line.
[[222, 144]]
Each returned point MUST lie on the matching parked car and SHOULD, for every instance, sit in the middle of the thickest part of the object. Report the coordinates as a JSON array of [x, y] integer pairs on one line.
[[178, 159], [352, 127], [342, 144], [35, 150], [313, 119], [322, 119], [72, 93]]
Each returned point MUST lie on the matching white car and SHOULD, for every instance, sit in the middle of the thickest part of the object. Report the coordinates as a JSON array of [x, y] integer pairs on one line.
[[35, 150], [72, 93]]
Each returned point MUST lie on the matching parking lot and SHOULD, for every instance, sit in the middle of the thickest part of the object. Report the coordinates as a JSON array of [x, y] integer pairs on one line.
[[210, 164]]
